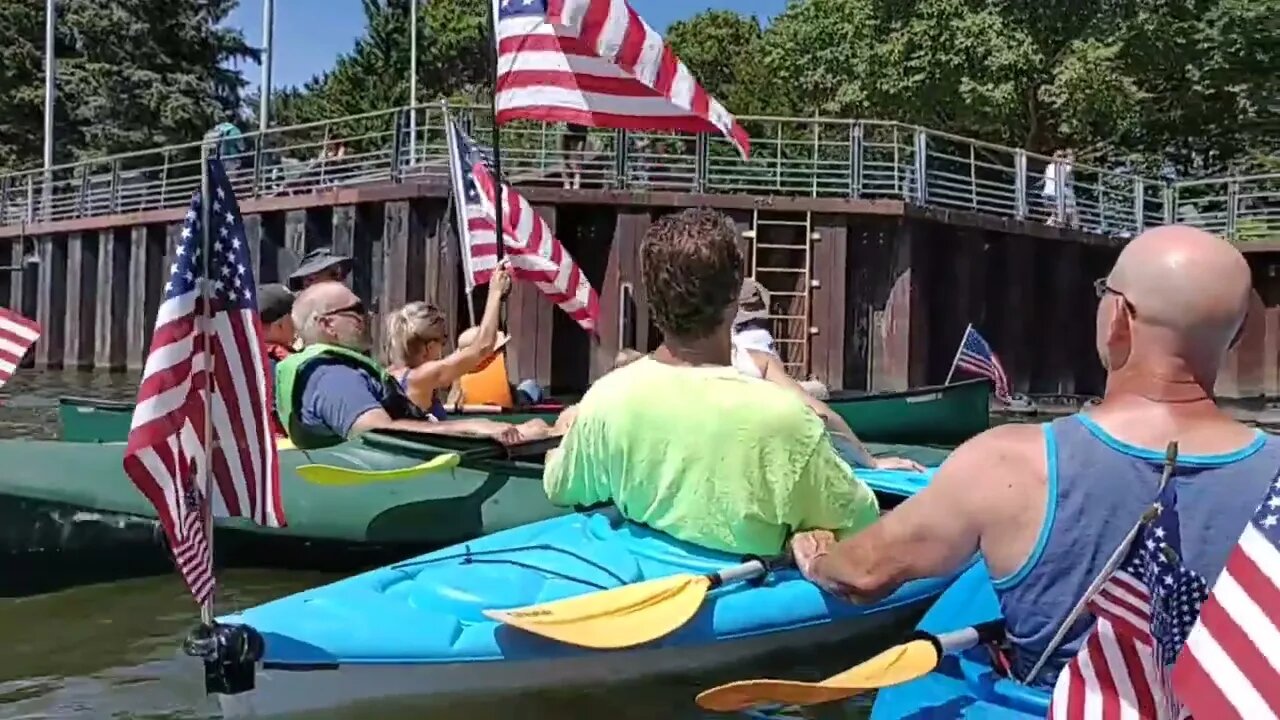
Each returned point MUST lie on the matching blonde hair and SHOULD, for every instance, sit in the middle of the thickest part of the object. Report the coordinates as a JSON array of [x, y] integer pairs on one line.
[[410, 328]]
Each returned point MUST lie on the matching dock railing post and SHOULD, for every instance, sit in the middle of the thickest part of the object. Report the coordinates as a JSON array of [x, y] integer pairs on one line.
[[921, 193], [1170, 202], [1139, 204], [855, 159], [1233, 200], [1020, 184]]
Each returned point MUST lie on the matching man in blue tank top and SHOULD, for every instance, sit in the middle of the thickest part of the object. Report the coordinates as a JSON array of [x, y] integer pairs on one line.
[[1047, 505]]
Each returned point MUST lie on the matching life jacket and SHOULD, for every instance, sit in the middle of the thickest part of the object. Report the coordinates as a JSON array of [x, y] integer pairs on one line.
[[293, 372], [487, 384]]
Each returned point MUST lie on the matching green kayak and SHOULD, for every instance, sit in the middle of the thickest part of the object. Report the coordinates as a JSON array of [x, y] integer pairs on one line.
[[71, 502], [944, 415]]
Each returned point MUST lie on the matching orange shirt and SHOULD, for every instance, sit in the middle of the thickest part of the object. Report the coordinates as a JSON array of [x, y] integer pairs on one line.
[[487, 384]]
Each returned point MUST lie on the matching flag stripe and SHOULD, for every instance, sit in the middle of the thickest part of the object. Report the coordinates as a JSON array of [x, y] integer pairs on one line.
[[17, 335], [597, 63]]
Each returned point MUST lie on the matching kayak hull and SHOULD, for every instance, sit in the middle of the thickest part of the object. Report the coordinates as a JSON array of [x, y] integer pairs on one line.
[[71, 503], [416, 629], [965, 685], [934, 415]]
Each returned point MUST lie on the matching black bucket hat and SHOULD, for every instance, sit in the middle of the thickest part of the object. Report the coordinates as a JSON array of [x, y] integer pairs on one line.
[[318, 261]]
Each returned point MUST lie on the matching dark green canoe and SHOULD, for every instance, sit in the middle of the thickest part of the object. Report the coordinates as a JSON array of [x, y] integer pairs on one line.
[[944, 415]]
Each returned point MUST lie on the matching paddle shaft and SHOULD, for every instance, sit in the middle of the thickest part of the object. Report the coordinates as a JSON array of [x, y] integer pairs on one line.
[[748, 570], [965, 638]]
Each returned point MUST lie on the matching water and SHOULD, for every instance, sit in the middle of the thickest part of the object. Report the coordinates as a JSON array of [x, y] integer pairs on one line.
[[112, 650]]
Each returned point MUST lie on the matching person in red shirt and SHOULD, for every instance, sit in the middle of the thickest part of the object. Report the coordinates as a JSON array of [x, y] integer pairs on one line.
[[275, 303]]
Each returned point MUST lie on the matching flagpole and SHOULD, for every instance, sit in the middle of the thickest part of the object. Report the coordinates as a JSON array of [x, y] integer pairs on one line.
[[497, 134], [459, 213], [205, 477], [956, 360]]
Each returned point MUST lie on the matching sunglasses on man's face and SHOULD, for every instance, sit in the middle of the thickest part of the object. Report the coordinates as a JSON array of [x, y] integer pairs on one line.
[[356, 308]]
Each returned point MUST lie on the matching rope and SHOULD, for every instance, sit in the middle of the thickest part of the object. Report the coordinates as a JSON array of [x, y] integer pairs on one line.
[[469, 556]]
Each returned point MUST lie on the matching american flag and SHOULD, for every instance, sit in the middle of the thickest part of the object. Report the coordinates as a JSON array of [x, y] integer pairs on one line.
[[977, 357], [166, 445], [17, 335], [535, 254], [597, 63], [1143, 613], [1230, 667]]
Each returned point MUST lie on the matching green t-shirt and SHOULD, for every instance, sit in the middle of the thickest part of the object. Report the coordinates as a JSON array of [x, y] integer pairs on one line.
[[708, 455]]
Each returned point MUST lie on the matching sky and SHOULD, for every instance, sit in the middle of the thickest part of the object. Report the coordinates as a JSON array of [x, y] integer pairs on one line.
[[309, 39]]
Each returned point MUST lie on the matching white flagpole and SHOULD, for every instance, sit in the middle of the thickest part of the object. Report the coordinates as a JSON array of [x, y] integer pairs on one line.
[[956, 360], [205, 477]]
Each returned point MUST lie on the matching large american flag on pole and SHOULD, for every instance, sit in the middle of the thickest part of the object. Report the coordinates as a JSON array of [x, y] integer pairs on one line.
[[597, 63], [534, 252], [1230, 667], [1143, 613], [193, 368], [17, 335], [976, 356]]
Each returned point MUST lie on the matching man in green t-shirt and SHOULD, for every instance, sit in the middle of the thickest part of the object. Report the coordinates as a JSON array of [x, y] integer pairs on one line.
[[683, 442]]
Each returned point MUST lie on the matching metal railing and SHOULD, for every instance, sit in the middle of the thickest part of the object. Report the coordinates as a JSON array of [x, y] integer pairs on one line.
[[805, 157]]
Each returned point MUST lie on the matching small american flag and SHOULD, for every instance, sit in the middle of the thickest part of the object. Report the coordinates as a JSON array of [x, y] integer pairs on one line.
[[187, 360], [977, 357], [597, 63], [1143, 613], [1230, 667], [17, 335], [535, 254]]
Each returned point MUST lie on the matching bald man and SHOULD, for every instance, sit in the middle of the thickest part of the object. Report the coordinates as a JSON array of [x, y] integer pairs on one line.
[[332, 390], [1048, 504]]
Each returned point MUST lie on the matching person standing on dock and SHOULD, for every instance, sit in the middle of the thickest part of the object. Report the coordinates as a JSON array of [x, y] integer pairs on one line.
[[1047, 505]]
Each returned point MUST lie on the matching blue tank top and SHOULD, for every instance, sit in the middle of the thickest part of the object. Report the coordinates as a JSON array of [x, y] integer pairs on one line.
[[1098, 488], [437, 408]]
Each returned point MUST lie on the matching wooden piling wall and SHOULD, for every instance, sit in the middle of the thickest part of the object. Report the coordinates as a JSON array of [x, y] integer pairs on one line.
[[891, 287]]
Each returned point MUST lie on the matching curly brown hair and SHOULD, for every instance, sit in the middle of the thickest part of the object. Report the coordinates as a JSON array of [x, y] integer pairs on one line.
[[692, 271]]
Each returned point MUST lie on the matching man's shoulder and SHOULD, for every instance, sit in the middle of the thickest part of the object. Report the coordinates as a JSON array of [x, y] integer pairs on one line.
[[1010, 452]]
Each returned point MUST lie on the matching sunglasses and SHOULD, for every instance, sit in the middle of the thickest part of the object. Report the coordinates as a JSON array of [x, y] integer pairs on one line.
[[356, 308]]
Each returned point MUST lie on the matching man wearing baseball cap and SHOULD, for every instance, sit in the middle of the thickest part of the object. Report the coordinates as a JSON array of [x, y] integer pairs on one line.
[[317, 266], [275, 303]]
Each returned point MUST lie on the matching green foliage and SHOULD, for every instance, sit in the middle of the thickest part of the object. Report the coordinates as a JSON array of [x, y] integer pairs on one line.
[[131, 74]]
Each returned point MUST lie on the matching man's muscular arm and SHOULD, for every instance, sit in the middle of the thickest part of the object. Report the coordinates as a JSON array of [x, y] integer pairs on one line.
[[938, 530]]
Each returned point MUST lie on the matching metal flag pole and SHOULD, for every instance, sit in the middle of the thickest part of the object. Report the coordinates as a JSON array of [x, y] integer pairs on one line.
[[956, 360], [497, 135], [413, 81], [50, 94], [206, 331], [268, 53]]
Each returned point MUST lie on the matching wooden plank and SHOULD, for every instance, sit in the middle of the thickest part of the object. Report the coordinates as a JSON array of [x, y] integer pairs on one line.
[[442, 272], [392, 264], [417, 259], [51, 310], [899, 332], [17, 258], [828, 310], [111, 336], [366, 275], [343, 229], [318, 227], [253, 238], [136, 318], [82, 299], [529, 321], [1061, 279], [295, 232], [1016, 328]]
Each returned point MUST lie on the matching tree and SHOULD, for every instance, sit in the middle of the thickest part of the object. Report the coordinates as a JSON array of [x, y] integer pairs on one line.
[[718, 47], [131, 75]]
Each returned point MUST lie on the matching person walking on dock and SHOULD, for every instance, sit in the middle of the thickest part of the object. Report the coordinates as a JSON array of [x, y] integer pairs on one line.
[[1047, 505]]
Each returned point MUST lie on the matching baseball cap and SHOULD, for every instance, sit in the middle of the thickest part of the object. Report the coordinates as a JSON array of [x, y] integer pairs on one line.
[[274, 302]]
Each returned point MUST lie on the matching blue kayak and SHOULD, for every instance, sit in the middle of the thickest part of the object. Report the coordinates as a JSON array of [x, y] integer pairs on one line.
[[965, 685], [416, 629]]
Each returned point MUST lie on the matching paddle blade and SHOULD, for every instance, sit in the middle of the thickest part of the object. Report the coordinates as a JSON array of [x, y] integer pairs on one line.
[[339, 476], [897, 665], [615, 618]]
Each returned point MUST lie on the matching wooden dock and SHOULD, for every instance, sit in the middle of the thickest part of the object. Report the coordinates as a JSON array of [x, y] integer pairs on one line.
[[873, 276]]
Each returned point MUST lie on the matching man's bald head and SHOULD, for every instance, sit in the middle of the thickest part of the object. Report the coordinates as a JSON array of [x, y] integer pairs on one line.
[[329, 312], [1176, 292]]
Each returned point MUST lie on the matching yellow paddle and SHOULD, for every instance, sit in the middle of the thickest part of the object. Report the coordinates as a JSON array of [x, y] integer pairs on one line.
[[332, 475], [631, 614], [899, 664]]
